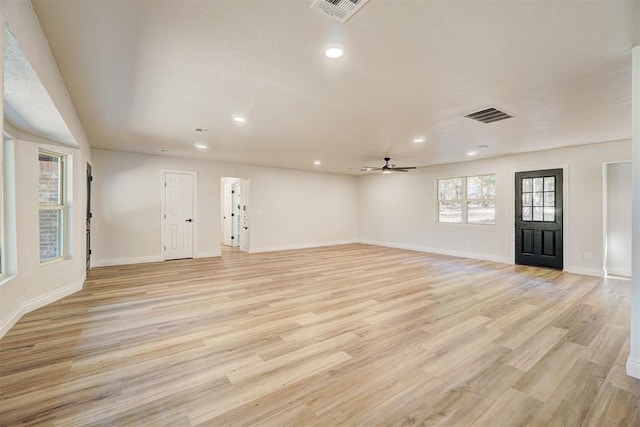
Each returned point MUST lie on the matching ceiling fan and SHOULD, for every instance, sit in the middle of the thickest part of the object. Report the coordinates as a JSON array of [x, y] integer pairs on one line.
[[387, 168]]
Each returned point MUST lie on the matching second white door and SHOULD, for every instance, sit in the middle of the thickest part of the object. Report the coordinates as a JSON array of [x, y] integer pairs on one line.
[[178, 215]]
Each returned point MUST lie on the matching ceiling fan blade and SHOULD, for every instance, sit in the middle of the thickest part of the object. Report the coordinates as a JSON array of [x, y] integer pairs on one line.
[[398, 170], [405, 167]]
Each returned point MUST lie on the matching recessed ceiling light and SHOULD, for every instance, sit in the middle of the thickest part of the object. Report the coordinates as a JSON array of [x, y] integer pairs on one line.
[[239, 119], [317, 162], [471, 153], [334, 51], [419, 140], [200, 146]]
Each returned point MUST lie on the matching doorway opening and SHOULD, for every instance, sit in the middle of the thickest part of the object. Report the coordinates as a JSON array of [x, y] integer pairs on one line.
[[617, 219], [235, 214]]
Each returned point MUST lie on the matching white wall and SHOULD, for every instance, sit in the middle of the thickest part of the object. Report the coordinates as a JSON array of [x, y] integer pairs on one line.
[[288, 208], [618, 218], [35, 285], [400, 209]]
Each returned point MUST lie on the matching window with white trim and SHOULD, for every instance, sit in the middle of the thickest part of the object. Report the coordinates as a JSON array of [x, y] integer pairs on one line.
[[51, 184], [469, 199], [450, 195], [481, 195], [8, 252]]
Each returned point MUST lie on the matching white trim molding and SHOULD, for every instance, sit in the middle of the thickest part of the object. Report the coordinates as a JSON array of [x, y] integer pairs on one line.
[[125, 261], [208, 254], [12, 320], [41, 301], [622, 272], [585, 271], [300, 246], [633, 368], [440, 251]]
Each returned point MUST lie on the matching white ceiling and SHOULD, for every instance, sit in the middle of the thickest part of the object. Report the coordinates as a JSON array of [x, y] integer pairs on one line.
[[143, 74], [27, 105]]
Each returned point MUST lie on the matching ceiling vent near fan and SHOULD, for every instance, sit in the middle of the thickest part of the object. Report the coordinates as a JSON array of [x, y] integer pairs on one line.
[[489, 115], [340, 10]]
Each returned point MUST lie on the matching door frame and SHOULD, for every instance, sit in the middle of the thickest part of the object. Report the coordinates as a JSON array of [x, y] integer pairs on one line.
[[605, 213], [163, 174], [243, 181], [566, 250], [89, 215], [236, 212]]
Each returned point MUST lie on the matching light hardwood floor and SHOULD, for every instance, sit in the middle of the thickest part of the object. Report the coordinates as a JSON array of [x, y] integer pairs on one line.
[[340, 336]]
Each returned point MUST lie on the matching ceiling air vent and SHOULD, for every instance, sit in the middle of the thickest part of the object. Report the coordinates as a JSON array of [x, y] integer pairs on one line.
[[340, 10], [488, 115]]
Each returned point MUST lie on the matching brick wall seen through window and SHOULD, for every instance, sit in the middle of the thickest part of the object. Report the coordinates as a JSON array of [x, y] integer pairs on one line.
[[51, 196]]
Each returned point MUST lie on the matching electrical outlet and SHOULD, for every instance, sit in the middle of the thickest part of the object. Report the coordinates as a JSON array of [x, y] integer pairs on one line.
[[587, 255]]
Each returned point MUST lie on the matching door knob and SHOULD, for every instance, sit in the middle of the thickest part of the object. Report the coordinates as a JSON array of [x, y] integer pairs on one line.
[[189, 220]]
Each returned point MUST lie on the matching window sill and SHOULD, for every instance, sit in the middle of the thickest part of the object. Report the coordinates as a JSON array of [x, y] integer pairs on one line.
[[53, 261], [463, 223], [6, 279]]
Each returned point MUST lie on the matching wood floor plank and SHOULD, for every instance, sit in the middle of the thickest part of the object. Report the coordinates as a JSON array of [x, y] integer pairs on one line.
[[582, 383], [512, 408], [346, 335], [530, 352], [614, 407], [546, 375]]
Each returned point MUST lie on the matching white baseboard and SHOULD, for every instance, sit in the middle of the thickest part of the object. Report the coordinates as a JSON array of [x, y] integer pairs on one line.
[[633, 368], [585, 271], [440, 251], [12, 320], [125, 261], [209, 254], [40, 301], [299, 246], [619, 272]]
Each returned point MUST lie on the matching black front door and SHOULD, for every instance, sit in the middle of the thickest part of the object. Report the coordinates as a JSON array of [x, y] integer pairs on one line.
[[539, 218]]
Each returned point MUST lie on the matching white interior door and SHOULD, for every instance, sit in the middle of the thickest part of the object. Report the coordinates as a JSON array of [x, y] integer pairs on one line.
[[244, 215], [227, 220], [178, 214], [236, 191]]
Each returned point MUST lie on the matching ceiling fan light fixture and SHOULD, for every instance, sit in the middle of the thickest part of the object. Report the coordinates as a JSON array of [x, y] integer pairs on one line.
[[387, 168]]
